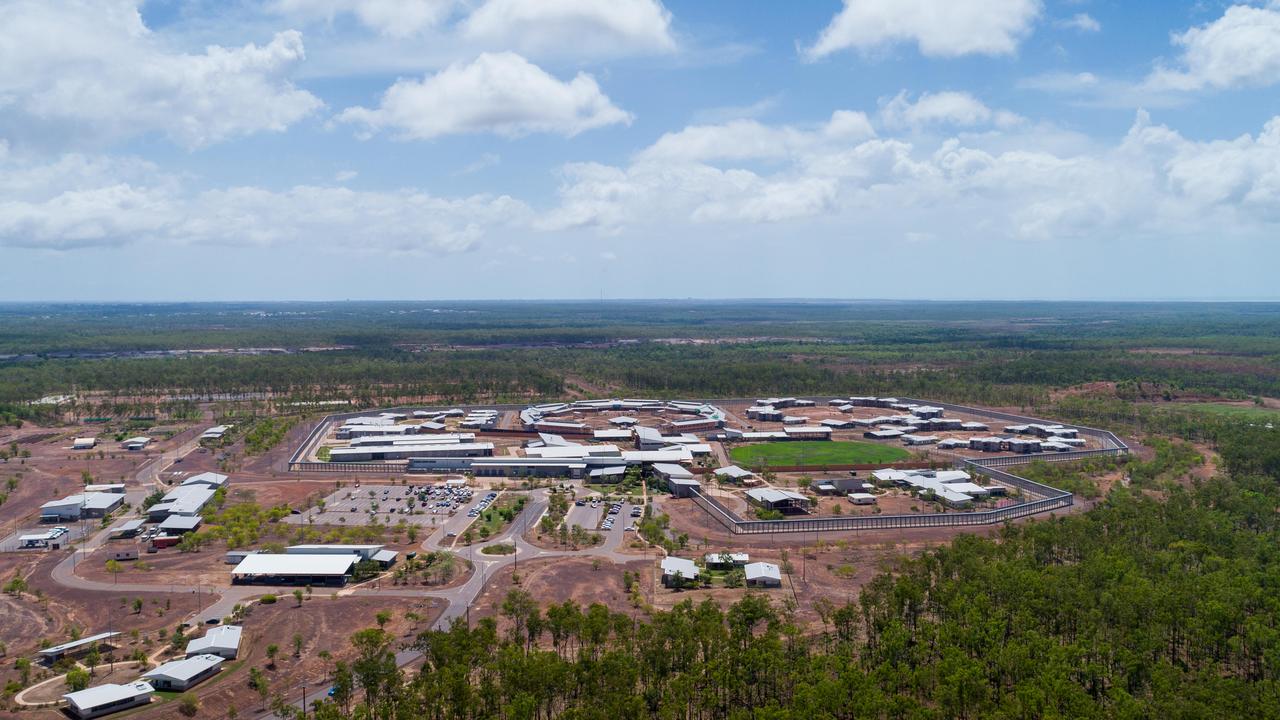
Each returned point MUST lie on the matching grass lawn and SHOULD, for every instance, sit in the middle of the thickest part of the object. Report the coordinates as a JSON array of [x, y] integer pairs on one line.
[[815, 453], [1240, 412]]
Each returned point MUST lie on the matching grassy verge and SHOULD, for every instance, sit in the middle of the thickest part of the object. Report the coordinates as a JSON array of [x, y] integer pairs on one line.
[[816, 453]]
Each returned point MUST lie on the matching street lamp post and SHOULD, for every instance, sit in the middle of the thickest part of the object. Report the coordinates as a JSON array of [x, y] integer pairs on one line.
[[304, 701]]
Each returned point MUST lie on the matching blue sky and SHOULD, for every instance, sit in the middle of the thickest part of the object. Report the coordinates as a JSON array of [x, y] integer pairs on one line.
[[422, 149]]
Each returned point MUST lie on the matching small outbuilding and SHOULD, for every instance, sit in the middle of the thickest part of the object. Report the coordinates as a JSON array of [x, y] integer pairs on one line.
[[763, 574]]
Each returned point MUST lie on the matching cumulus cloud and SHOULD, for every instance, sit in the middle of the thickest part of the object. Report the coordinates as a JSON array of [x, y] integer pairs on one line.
[[77, 201], [752, 140], [944, 108], [92, 68], [1019, 184], [1239, 49], [940, 29], [572, 27], [500, 93], [393, 18]]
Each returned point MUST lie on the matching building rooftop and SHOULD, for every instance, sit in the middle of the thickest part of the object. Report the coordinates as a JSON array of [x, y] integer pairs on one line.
[[774, 495], [685, 568], [186, 669], [212, 479], [762, 571], [64, 647], [223, 637], [733, 471], [103, 694], [295, 565]]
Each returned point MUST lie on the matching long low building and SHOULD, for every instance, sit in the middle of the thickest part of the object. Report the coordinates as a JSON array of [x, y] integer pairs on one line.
[[186, 500], [780, 500], [366, 552], [184, 674], [74, 507], [441, 439], [105, 699], [309, 569], [75, 647], [368, 453]]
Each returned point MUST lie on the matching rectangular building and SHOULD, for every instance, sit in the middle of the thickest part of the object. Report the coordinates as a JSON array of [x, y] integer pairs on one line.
[[105, 699], [294, 569], [223, 641], [181, 675]]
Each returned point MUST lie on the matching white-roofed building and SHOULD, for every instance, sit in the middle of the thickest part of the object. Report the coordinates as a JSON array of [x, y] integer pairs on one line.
[[182, 500], [223, 641], [781, 500], [180, 524], [648, 438], [180, 675], [211, 479], [763, 574], [678, 571], [136, 443], [808, 432], [862, 498], [53, 654], [733, 473], [84, 443], [73, 507], [294, 569], [725, 560], [366, 552], [106, 699]]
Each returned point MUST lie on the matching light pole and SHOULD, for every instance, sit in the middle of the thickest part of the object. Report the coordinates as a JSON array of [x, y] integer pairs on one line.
[[304, 701]]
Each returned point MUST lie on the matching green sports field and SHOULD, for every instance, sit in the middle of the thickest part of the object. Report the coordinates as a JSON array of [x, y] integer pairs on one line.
[[815, 453], [1239, 412]]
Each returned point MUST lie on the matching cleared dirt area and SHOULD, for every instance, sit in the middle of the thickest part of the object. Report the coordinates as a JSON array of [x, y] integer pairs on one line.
[[325, 625], [555, 580], [163, 569]]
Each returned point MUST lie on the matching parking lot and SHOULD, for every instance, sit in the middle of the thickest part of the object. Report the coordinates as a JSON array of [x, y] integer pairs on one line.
[[586, 515], [71, 531], [425, 504]]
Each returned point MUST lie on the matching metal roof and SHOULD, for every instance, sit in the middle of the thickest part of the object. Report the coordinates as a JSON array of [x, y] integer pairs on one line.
[[186, 669], [773, 495], [223, 637], [101, 695], [762, 570], [206, 478], [295, 565], [60, 649], [686, 568]]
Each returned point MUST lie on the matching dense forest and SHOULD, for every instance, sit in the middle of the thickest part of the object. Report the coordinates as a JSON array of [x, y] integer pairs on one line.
[[1007, 354], [1149, 605]]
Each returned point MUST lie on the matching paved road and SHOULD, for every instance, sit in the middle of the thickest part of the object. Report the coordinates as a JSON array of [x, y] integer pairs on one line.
[[457, 599]]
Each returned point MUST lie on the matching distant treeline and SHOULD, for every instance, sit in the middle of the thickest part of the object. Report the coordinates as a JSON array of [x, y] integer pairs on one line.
[[1238, 328], [1007, 354]]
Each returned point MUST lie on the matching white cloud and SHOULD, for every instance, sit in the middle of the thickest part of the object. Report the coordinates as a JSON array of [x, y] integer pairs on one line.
[[76, 202], [92, 68], [572, 27], [501, 93], [1239, 49], [393, 18], [1084, 22], [940, 29], [1017, 184], [752, 140], [946, 108]]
